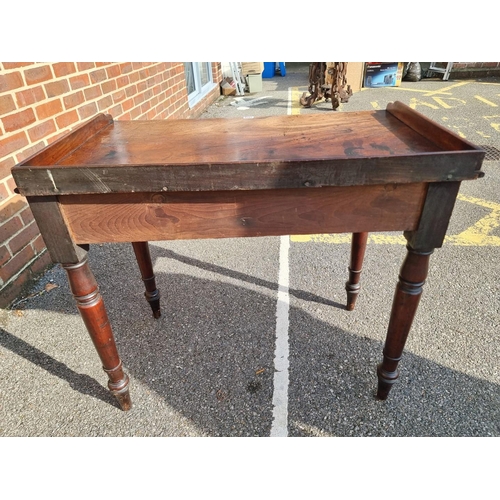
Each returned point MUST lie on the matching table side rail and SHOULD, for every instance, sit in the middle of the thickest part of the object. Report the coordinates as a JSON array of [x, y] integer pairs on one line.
[[62, 147], [112, 218], [441, 136], [424, 167]]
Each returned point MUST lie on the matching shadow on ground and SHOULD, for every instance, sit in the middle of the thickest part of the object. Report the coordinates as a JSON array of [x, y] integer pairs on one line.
[[210, 358]]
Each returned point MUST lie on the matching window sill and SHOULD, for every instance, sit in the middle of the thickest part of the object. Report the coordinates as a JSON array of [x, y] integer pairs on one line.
[[196, 98]]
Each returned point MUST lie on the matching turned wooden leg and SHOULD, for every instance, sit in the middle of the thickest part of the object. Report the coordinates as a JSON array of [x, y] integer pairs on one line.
[[141, 249], [91, 306], [406, 298], [352, 286]]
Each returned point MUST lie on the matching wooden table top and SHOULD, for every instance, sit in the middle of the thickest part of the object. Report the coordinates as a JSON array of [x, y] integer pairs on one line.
[[263, 139], [259, 153]]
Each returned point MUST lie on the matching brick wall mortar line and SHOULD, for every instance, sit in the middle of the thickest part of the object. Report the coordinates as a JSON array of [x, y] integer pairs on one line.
[[71, 92], [55, 79], [4, 180], [12, 94], [70, 127], [7, 241], [18, 70], [94, 100], [146, 79], [10, 253], [16, 275], [18, 213]]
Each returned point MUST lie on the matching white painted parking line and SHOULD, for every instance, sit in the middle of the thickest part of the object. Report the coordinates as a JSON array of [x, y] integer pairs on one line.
[[279, 426]]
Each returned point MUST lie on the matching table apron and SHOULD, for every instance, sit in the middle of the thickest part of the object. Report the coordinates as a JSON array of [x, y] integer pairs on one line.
[[113, 218]]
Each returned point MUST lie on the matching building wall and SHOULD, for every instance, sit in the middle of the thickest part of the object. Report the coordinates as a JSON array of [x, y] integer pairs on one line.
[[40, 102], [476, 65], [475, 69]]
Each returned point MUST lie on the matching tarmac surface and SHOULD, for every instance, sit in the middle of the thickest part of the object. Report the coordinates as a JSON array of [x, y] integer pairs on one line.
[[206, 367]]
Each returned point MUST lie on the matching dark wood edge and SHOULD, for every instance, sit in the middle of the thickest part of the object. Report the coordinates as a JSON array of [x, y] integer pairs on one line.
[[56, 236], [432, 167], [439, 135], [435, 217], [62, 147]]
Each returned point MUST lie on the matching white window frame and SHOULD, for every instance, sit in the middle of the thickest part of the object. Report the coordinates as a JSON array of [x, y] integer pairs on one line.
[[200, 90]]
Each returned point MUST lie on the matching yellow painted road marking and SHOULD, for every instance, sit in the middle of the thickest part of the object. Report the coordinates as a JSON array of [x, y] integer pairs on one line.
[[482, 134], [452, 102], [416, 102], [427, 93], [482, 99], [296, 93], [479, 234], [440, 91], [420, 91], [494, 125], [441, 101], [337, 239], [459, 132]]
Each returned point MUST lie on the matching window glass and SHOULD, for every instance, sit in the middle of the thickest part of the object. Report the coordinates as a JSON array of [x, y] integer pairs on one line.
[[204, 72], [188, 70], [198, 80]]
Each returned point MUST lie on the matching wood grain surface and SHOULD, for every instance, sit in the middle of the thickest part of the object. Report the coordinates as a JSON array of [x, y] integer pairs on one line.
[[443, 137], [69, 143], [237, 140], [274, 152], [229, 214]]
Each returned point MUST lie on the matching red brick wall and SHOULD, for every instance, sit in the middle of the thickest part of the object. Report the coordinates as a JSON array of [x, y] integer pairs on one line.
[[475, 69], [481, 65], [40, 102]]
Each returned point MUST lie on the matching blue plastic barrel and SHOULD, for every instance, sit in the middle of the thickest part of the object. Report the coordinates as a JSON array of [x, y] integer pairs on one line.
[[269, 70]]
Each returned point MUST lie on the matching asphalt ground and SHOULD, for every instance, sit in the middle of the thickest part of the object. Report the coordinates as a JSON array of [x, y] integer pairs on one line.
[[206, 367]]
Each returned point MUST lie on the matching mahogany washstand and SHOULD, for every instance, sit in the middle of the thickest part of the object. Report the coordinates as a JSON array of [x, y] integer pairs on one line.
[[138, 181]]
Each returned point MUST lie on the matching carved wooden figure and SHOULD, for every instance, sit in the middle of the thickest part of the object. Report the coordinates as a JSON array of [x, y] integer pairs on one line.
[[135, 182]]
